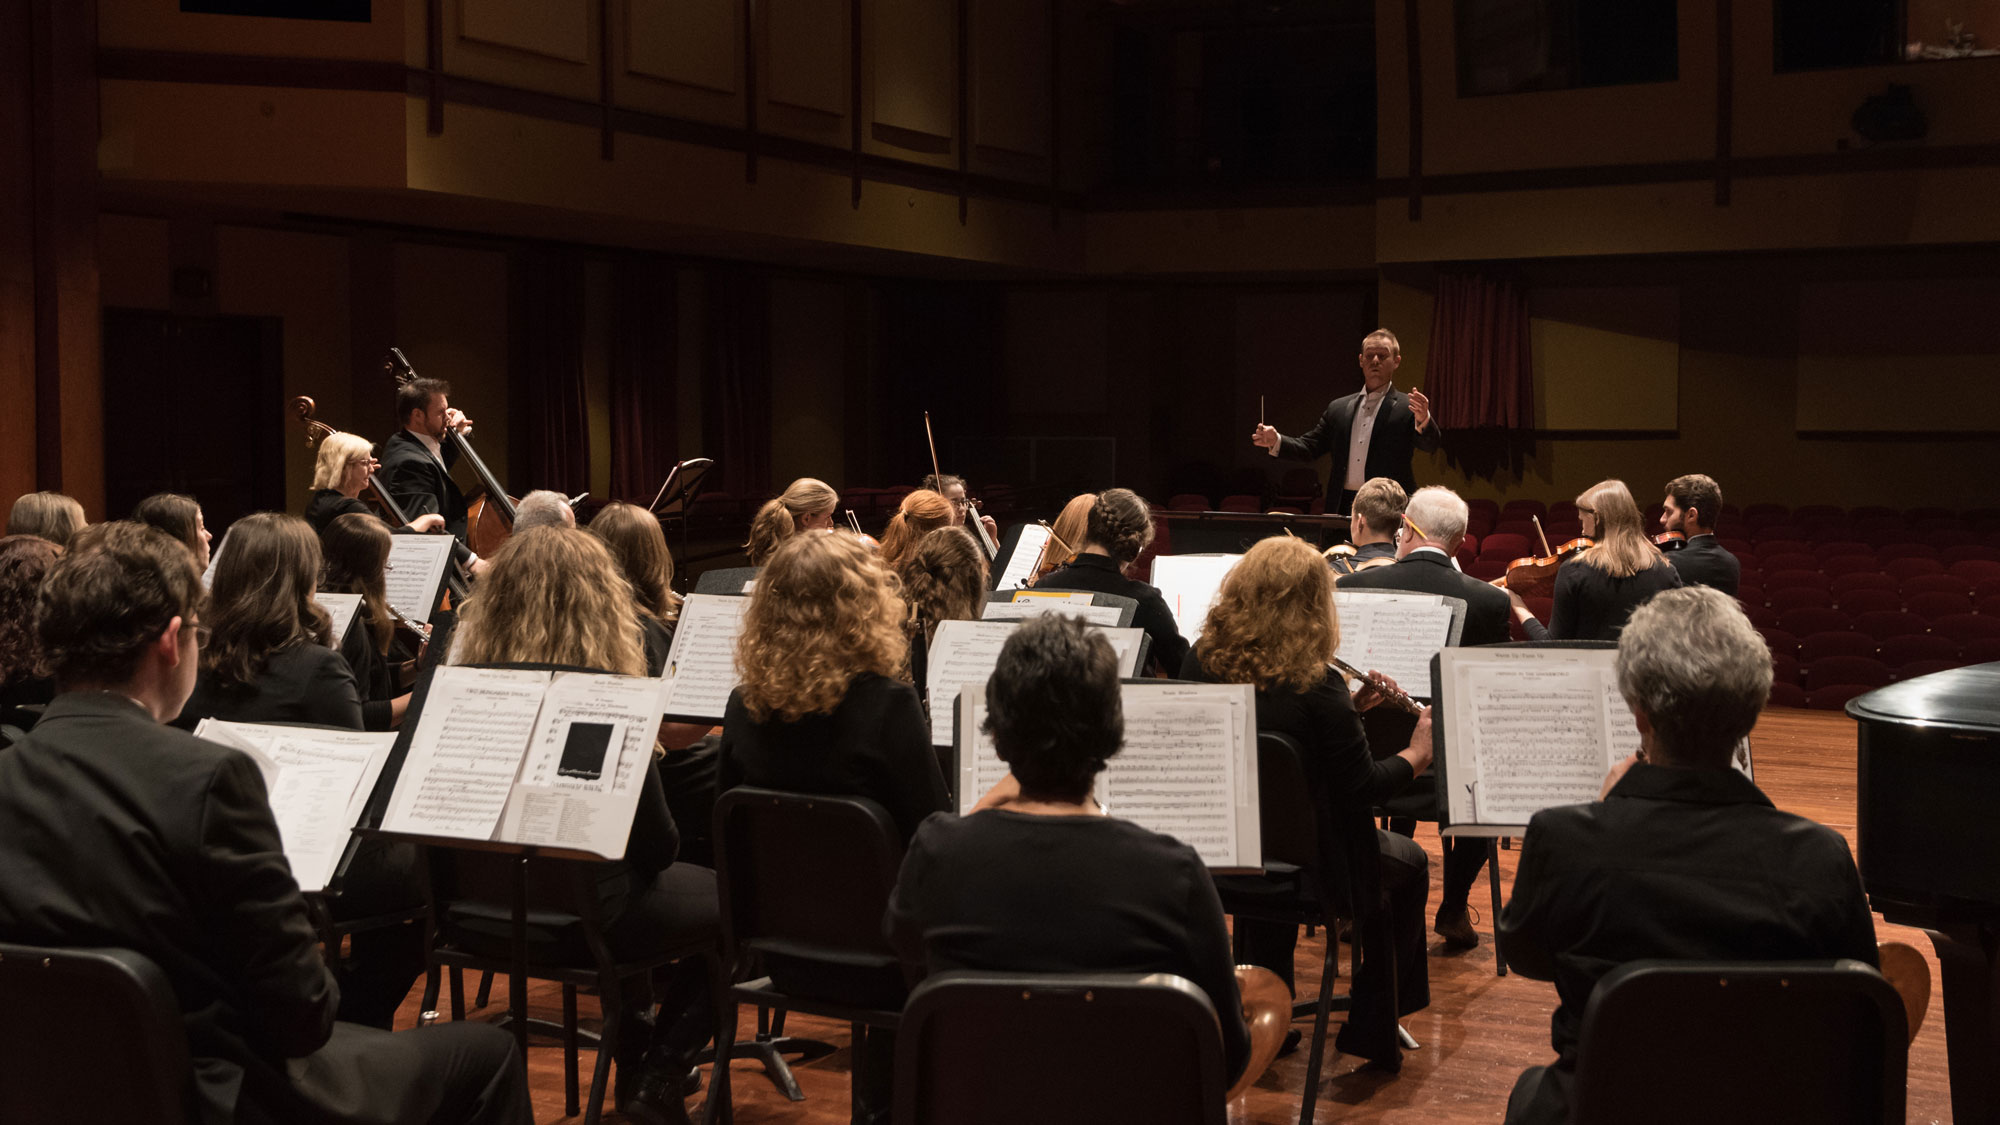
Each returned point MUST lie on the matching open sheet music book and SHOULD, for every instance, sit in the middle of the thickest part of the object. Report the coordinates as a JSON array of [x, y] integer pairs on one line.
[[1189, 583], [554, 759], [701, 665], [318, 780], [1188, 768], [342, 609], [1012, 574], [963, 653], [1035, 603], [1397, 633], [413, 580]]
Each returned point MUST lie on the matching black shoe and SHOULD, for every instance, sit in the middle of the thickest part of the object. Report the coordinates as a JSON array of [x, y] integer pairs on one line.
[[655, 1099], [1291, 1044], [1456, 930]]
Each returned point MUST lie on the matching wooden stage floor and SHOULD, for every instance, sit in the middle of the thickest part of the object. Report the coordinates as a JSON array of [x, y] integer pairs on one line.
[[1478, 1034]]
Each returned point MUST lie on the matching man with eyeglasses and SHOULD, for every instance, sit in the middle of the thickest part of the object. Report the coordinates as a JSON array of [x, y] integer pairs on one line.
[[124, 832], [1378, 426]]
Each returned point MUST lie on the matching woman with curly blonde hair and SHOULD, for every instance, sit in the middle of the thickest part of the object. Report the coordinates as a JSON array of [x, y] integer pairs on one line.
[[920, 513], [559, 598], [820, 708], [1274, 627]]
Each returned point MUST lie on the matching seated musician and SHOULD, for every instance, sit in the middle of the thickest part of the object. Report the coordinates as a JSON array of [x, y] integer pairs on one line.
[[1066, 534], [1274, 626], [416, 462], [178, 516], [1598, 587], [920, 513], [805, 505], [50, 515], [1119, 526], [24, 668], [340, 472], [1040, 879], [1377, 515], [1682, 856], [1693, 504], [555, 595], [944, 579], [185, 867], [1433, 524], [952, 487], [356, 552], [543, 508]]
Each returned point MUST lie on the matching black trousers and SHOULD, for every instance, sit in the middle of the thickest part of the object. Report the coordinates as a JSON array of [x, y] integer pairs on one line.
[[677, 906], [450, 1074], [1542, 1096], [382, 963]]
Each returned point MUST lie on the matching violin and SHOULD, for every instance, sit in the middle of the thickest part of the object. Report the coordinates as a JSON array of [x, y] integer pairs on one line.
[[972, 515], [854, 525], [1535, 575], [489, 517], [1670, 541], [1043, 567]]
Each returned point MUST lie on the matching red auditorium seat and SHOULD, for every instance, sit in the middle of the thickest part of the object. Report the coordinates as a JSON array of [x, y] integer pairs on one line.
[[1967, 627], [1784, 669], [1787, 695], [1468, 550], [1791, 578], [1796, 597], [1772, 562], [1988, 606], [1814, 647], [1543, 608], [1522, 509], [1488, 510], [1870, 579], [1523, 528], [1869, 601], [1835, 698], [1761, 616], [1806, 621], [1760, 511], [1917, 668], [1750, 594], [1562, 510], [1781, 536], [1780, 642], [1975, 570], [1836, 548], [1906, 551], [1840, 566], [1503, 546], [1882, 624], [1828, 671], [1187, 502], [1486, 570], [1806, 512], [1242, 502], [1741, 548], [1935, 605], [1937, 584], [1898, 652], [1904, 569], [1979, 650]]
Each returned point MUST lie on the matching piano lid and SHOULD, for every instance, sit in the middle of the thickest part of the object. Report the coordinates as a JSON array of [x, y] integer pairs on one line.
[[1968, 698]]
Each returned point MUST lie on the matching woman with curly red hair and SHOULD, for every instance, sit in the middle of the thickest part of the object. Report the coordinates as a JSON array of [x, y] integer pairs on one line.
[[1274, 627]]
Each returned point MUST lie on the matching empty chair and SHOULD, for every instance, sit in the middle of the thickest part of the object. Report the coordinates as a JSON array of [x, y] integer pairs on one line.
[[1241, 502], [1936, 605], [1904, 569], [91, 1035], [1187, 502], [1899, 652], [1969, 552], [1870, 579], [1785, 578], [1988, 606], [1741, 548], [1525, 529], [1915, 668], [1781, 642], [1979, 650], [1937, 584], [1503, 546], [1829, 671], [1815, 647], [1807, 620], [1806, 513], [1487, 569], [1966, 627], [1906, 551], [1489, 510], [1975, 571], [1986, 588], [1750, 593], [1883, 624], [1468, 552], [1789, 556], [1869, 600], [1838, 566], [1835, 548], [1787, 695], [1563, 510], [1784, 598], [1765, 511], [1522, 509], [1834, 697], [1784, 668], [1781, 537], [1763, 616]]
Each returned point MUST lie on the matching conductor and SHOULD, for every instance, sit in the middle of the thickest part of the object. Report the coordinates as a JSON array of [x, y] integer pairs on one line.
[[1378, 426]]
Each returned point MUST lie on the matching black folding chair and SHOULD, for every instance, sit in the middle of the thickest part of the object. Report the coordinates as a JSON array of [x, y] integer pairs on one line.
[[78, 1016], [1005, 1048], [805, 883], [1727, 1042]]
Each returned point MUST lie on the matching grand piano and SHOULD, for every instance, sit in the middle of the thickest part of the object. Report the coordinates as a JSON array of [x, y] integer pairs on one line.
[[1929, 821]]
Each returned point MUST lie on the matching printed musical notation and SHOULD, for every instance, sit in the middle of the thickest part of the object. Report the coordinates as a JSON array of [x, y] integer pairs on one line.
[[701, 665], [1528, 729], [466, 752]]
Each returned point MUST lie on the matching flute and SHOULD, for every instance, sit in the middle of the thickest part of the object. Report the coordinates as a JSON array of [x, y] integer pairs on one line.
[[1394, 697]]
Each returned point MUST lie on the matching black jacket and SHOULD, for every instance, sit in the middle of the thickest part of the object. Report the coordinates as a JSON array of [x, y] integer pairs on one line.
[[300, 683], [1101, 574], [1487, 609], [1702, 561], [1591, 605], [1391, 442], [419, 484]]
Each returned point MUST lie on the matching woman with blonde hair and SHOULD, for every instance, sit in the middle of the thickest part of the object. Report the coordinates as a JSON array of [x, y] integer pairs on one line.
[[340, 472], [1274, 627], [920, 513], [805, 505], [1599, 587], [556, 595], [50, 515]]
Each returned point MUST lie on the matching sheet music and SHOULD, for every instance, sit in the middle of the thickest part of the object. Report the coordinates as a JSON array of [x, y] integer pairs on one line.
[[586, 764], [1190, 583], [466, 751], [964, 652], [1395, 634], [1027, 605], [214, 557], [342, 608], [1020, 566], [701, 665], [414, 572], [1188, 766], [1528, 729], [318, 779]]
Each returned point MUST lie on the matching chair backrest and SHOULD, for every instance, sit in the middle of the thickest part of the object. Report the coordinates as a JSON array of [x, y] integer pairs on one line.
[[1083, 1048], [77, 1016], [805, 879], [728, 580], [1820, 1041], [1285, 806]]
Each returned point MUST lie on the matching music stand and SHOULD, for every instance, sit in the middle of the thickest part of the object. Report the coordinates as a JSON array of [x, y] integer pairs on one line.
[[677, 493]]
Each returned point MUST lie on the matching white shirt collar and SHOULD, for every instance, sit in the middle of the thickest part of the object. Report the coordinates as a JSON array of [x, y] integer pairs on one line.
[[429, 442], [1439, 551]]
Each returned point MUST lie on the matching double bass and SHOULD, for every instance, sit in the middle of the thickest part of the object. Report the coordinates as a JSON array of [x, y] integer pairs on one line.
[[489, 515]]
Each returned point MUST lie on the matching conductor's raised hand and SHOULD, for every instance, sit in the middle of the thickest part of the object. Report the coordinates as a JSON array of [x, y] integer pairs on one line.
[[1420, 408], [1264, 437]]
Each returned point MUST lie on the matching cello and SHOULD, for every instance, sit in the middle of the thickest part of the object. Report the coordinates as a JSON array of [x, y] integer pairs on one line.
[[489, 516]]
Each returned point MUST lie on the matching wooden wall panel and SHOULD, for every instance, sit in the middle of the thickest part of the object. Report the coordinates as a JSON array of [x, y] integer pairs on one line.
[[1010, 76], [807, 54], [694, 43], [559, 29], [913, 56]]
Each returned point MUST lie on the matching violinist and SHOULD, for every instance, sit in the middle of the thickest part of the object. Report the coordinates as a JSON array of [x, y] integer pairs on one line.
[[952, 487], [1378, 515], [416, 465], [805, 505], [1066, 534], [1599, 587], [1117, 529], [920, 513], [1693, 504]]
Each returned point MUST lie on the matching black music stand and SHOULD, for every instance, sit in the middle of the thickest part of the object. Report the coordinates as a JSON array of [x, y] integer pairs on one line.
[[677, 492]]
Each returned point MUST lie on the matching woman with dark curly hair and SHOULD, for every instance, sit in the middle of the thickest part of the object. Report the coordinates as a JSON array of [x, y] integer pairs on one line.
[[24, 672], [1119, 526], [1274, 627]]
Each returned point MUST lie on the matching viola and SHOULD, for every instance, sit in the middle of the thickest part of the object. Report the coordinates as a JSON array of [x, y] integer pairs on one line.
[[1534, 576], [1670, 540]]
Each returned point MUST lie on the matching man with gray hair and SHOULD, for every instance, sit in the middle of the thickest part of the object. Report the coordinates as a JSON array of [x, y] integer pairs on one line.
[[542, 508], [1681, 856]]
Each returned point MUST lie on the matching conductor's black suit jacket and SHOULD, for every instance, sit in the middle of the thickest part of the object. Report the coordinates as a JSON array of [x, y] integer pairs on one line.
[[419, 483], [1487, 609], [1391, 442]]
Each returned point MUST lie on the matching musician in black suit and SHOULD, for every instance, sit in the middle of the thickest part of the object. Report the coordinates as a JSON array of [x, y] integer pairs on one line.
[[1433, 525], [1681, 856], [1693, 504], [1378, 515], [1371, 433], [124, 832], [416, 463]]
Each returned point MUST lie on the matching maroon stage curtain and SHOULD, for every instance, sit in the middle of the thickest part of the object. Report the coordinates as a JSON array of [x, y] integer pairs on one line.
[[645, 421], [1480, 374], [551, 422], [736, 381]]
